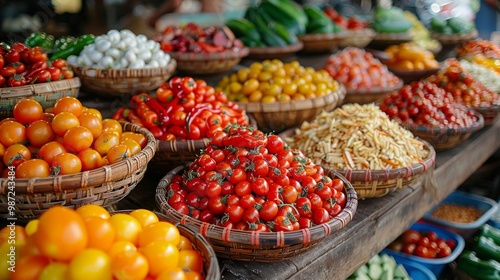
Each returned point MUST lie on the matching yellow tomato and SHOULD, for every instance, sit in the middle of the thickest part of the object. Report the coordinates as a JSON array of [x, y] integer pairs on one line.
[[127, 228], [90, 264], [145, 217], [92, 210]]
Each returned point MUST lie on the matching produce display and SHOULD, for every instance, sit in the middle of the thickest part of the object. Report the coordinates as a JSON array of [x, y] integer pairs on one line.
[[479, 46], [184, 108], [274, 81], [21, 65], [452, 25], [196, 39], [351, 23], [462, 86], [409, 57], [424, 103], [483, 74], [423, 244], [318, 22], [248, 180], [91, 243], [61, 47], [121, 49], [421, 35], [456, 213], [357, 137], [381, 267], [69, 140], [390, 20], [490, 63], [358, 69], [481, 259]]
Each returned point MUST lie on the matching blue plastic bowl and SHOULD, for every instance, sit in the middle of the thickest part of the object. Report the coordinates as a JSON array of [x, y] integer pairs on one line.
[[417, 271], [486, 205], [495, 218], [435, 265]]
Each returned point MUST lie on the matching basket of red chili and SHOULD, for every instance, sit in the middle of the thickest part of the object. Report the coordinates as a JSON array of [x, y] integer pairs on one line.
[[254, 199], [25, 73]]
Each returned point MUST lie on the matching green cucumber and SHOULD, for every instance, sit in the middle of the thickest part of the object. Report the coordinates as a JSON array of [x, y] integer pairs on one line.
[[243, 28], [251, 42], [292, 23], [281, 31]]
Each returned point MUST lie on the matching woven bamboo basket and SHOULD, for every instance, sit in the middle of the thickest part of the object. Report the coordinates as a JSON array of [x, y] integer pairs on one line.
[[103, 186], [357, 38], [383, 40], [489, 113], [369, 95], [279, 116], [445, 138], [126, 81], [274, 52], [46, 94], [211, 270], [209, 63], [413, 75], [322, 43], [259, 246], [454, 39]]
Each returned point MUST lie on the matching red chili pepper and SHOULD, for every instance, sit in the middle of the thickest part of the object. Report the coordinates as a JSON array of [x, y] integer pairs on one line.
[[196, 111], [132, 117], [209, 48], [118, 114], [163, 118]]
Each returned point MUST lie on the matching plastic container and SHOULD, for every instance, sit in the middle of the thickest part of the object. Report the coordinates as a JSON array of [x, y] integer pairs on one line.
[[494, 220], [486, 205], [436, 265], [417, 271]]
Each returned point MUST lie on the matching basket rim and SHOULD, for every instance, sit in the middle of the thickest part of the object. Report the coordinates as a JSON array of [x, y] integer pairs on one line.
[[232, 53], [260, 107], [32, 89], [448, 130], [376, 90], [110, 73], [253, 238], [450, 38], [276, 50], [98, 176], [401, 36], [412, 73], [323, 37]]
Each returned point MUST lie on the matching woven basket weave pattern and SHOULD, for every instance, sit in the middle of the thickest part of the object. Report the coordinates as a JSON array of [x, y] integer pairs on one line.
[[209, 63]]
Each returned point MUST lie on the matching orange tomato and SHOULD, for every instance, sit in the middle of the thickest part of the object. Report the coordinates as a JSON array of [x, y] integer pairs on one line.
[[92, 210], [54, 271], [172, 274], [145, 217], [16, 154], [12, 132], [68, 104], [133, 146], [39, 133], [63, 121], [193, 275], [117, 153], [29, 268], [184, 243], [90, 159], [127, 228], [161, 255], [105, 141], [90, 264], [137, 137], [159, 231], [19, 233], [190, 260], [33, 168], [101, 234], [93, 111], [61, 234], [78, 138], [31, 227], [27, 110], [91, 121], [66, 163], [2, 150], [120, 246], [129, 265], [112, 125], [50, 150]]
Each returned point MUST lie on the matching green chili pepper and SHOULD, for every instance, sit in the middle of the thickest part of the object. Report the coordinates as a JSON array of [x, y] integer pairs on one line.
[[486, 248], [74, 48], [489, 231], [477, 268], [40, 39], [63, 42], [4, 47]]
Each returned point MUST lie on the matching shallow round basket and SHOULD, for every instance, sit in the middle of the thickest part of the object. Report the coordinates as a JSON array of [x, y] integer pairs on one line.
[[409, 76], [383, 40], [445, 138], [103, 186], [490, 113], [448, 40], [357, 38], [321, 43], [259, 246], [46, 94], [279, 116], [123, 82], [369, 95], [274, 52], [209, 63], [211, 270]]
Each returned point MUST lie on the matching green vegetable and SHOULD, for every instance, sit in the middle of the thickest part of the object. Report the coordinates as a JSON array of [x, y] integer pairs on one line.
[[62, 43], [250, 42], [486, 248], [40, 39], [491, 232], [437, 25], [73, 48], [390, 20], [381, 267], [243, 28], [471, 264], [318, 22], [460, 25], [281, 31], [295, 20]]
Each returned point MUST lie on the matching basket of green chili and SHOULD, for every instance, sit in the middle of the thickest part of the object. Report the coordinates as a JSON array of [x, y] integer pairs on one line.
[[61, 47]]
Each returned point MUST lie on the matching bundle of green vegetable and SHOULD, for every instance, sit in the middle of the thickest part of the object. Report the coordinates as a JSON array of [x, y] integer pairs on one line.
[[454, 25], [61, 47], [390, 20], [381, 267]]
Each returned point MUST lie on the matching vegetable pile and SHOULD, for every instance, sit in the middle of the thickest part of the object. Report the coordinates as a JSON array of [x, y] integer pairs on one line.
[[69, 140], [21, 65], [357, 69], [61, 47], [423, 244], [453, 25], [351, 23], [462, 86], [121, 49], [424, 103], [485, 75], [184, 108], [91, 243], [193, 38], [248, 180], [390, 20], [409, 57], [479, 46], [274, 81], [381, 267]]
